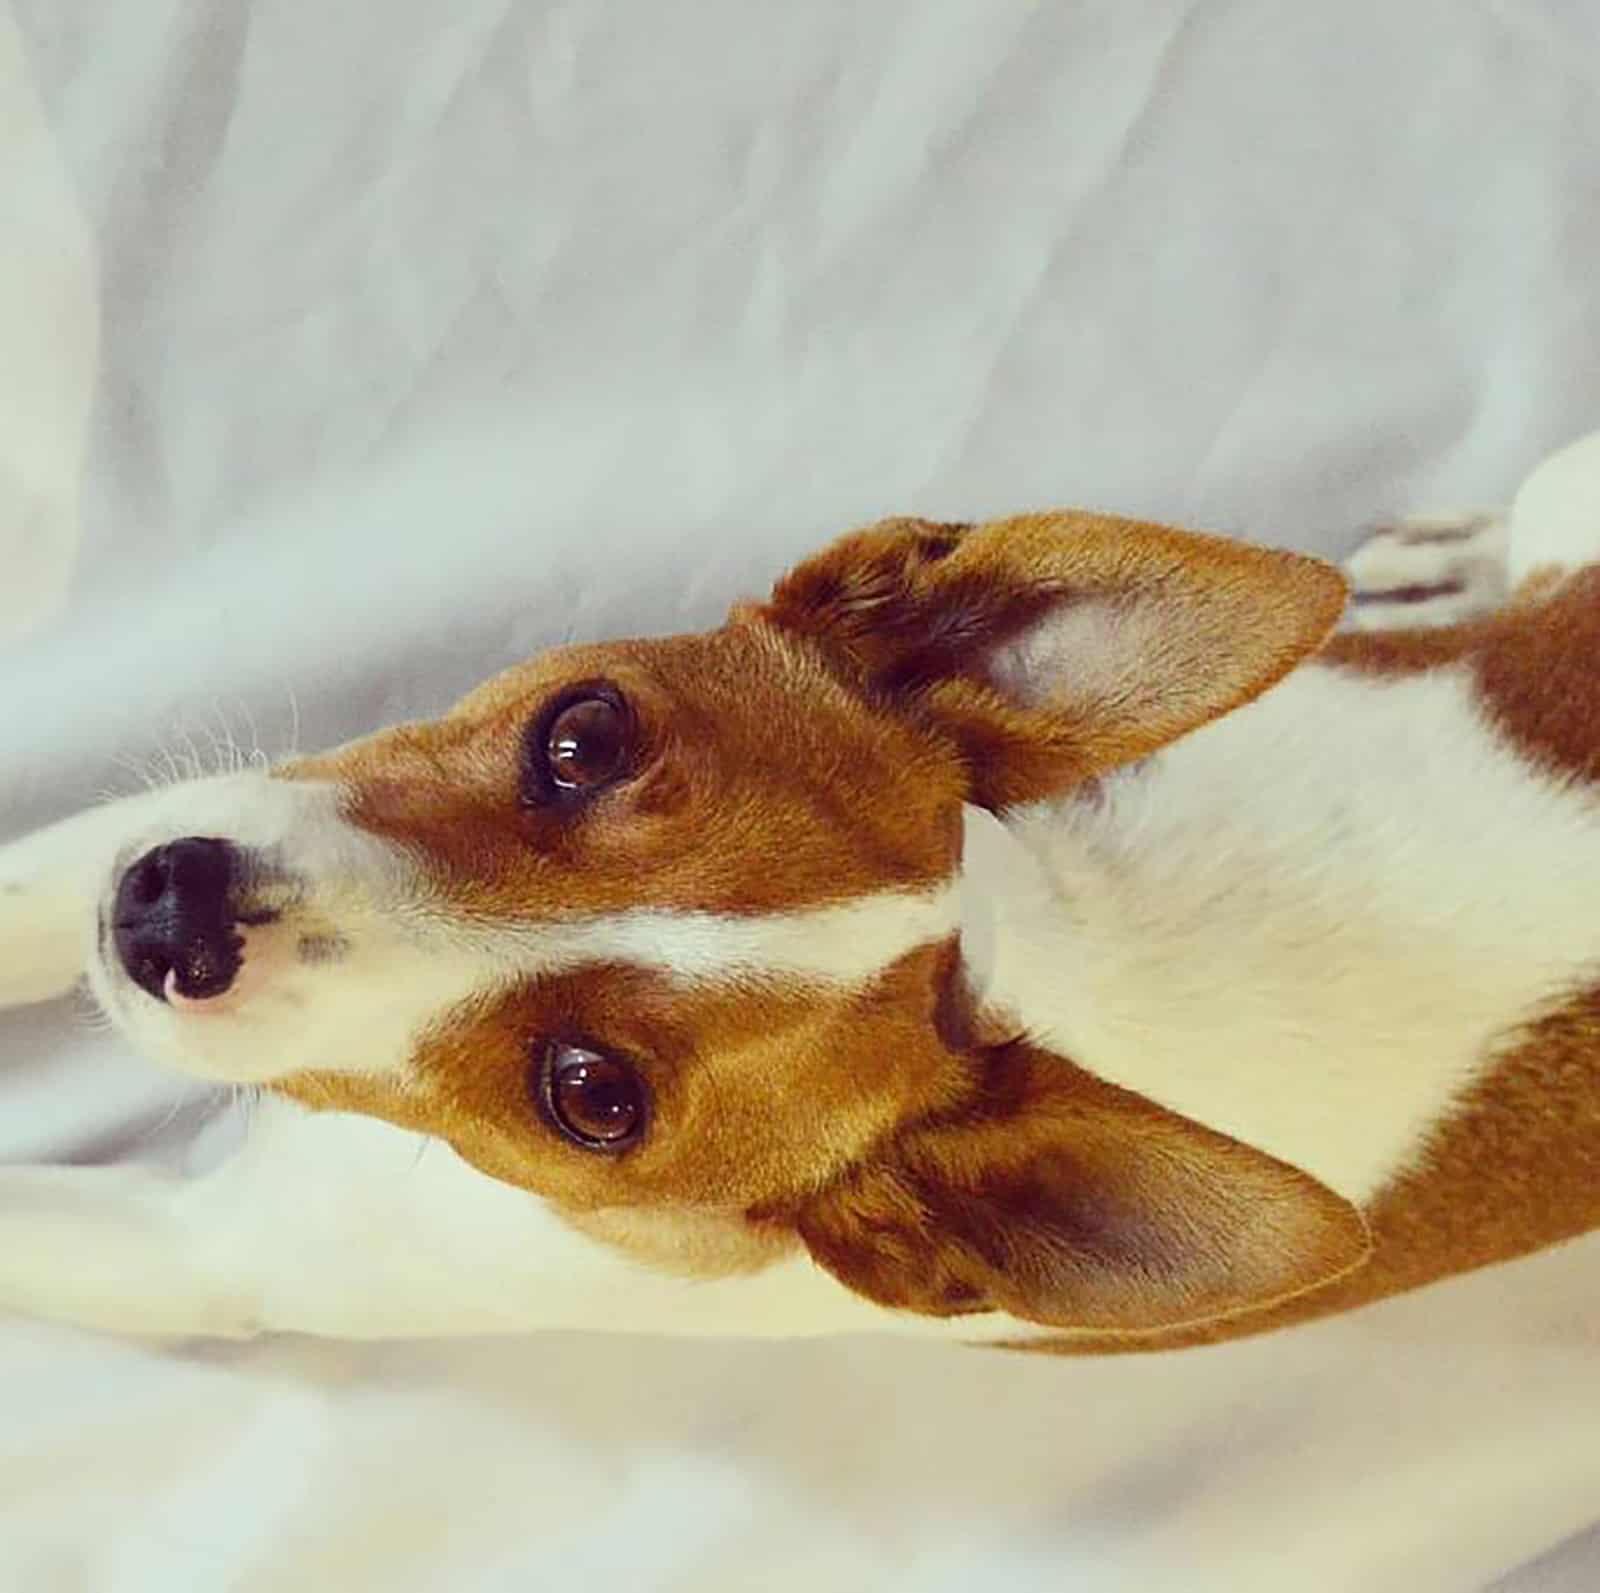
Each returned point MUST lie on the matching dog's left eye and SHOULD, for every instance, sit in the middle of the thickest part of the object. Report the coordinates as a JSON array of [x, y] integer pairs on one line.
[[595, 1098], [581, 744]]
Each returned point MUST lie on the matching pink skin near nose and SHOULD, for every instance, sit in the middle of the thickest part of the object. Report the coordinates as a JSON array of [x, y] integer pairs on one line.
[[254, 971]]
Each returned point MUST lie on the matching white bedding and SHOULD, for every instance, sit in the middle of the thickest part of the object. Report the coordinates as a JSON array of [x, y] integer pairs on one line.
[[348, 352]]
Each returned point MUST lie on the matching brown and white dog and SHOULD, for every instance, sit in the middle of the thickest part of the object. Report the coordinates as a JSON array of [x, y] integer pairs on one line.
[[1034, 931]]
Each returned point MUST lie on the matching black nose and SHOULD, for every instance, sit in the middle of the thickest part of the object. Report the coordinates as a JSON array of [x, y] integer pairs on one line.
[[172, 916]]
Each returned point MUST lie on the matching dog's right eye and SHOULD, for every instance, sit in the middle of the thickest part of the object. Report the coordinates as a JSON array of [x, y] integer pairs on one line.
[[581, 744]]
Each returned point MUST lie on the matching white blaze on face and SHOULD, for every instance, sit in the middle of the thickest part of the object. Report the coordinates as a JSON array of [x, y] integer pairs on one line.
[[841, 944], [407, 957]]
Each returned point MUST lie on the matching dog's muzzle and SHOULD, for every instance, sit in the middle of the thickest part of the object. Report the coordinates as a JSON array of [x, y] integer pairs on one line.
[[173, 921]]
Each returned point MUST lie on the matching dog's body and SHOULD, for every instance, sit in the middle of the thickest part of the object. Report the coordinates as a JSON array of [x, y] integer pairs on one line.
[[942, 947]]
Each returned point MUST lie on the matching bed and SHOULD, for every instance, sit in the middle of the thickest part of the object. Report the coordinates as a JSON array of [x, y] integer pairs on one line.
[[347, 353]]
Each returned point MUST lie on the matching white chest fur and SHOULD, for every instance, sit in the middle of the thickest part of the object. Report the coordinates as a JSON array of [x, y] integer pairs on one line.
[[1305, 925]]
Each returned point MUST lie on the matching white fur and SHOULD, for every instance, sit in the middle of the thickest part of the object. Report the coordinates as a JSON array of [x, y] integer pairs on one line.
[[1461, 556], [360, 1013], [1094, 648], [840, 943], [1304, 925], [1555, 517]]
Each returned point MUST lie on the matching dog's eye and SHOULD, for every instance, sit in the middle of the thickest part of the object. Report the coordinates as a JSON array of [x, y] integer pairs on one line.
[[595, 1098], [582, 744]]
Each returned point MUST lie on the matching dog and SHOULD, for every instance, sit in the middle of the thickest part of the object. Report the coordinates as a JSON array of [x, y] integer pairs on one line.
[[1049, 932]]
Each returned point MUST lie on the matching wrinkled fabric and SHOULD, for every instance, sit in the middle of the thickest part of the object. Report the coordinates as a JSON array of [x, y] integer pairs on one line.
[[350, 352]]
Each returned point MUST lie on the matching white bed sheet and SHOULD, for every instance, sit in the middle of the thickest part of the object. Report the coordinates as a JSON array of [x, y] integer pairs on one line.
[[348, 352]]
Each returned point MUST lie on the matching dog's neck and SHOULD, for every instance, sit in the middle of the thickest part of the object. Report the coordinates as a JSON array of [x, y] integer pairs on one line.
[[1307, 926]]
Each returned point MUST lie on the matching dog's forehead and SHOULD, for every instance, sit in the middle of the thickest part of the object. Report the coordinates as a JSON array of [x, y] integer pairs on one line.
[[764, 787]]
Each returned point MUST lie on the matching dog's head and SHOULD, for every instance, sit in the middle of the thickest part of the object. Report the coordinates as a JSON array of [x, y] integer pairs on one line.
[[668, 932]]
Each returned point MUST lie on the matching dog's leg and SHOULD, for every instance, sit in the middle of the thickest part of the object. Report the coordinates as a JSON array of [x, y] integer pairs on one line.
[[1438, 570], [46, 892], [318, 1224], [342, 1226], [1426, 571], [122, 1250], [321, 1223]]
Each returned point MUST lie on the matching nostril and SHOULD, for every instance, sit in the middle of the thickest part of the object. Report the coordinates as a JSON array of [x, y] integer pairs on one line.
[[147, 879], [149, 970]]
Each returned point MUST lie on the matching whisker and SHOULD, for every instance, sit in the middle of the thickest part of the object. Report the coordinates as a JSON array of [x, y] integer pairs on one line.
[[235, 755], [243, 1098], [150, 1131], [196, 768], [257, 759], [222, 747], [88, 1016], [140, 768]]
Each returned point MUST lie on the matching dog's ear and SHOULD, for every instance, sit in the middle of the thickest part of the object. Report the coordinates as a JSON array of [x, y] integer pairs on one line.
[[1055, 647], [1067, 1201]]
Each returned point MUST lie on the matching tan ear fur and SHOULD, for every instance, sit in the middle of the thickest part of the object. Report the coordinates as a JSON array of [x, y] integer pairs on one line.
[[1056, 647], [1066, 1201]]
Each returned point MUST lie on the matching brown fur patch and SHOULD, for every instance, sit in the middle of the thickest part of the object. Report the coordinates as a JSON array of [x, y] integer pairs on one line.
[[1540, 583], [1536, 666]]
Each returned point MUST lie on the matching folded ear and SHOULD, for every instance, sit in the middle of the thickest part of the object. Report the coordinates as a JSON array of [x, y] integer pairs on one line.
[[1064, 1200], [1056, 646]]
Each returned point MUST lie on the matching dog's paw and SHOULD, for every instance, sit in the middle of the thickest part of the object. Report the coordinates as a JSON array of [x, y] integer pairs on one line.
[[46, 914], [1426, 571], [41, 944]]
